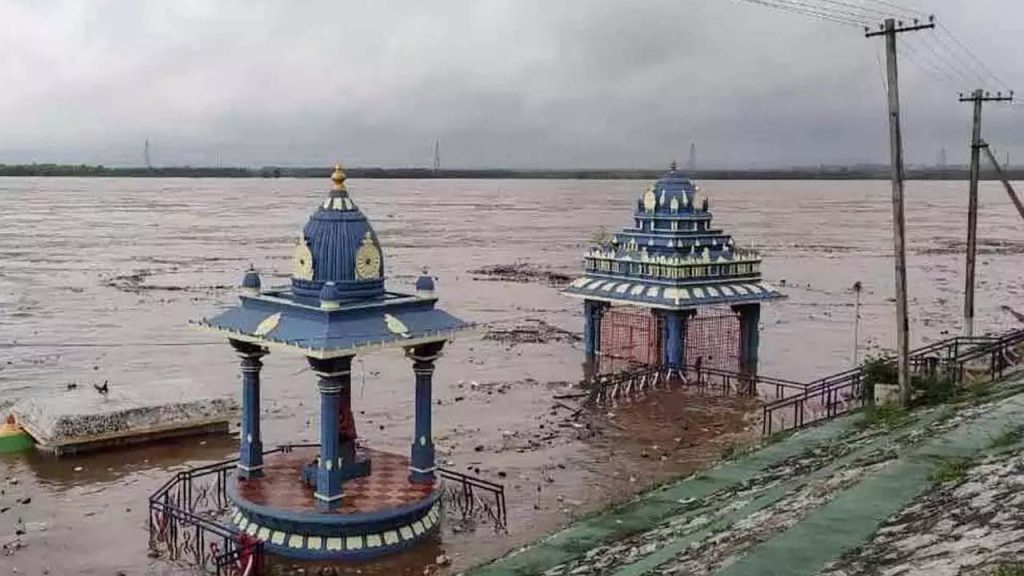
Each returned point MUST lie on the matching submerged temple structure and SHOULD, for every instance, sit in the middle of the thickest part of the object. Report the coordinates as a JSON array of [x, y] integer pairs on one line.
[[337, 499], [672, 290]]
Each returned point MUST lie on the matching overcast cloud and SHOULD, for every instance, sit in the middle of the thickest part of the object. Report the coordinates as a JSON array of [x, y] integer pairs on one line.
[[513, 83]]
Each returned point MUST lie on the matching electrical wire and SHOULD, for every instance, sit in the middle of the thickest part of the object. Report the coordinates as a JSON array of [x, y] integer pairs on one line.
[[853, 15], [966, 77], [872, 13], [979, 62], [955, 60], [899, 9], [954, 63], [936, 73], [801, 8]]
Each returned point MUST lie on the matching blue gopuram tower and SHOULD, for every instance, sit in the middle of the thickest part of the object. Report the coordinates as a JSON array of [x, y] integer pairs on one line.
[[337, 499], [673, 264]]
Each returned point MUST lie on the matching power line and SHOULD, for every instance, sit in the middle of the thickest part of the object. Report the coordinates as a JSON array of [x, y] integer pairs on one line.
[[899, 9], [980, 63], [937, 73], [868, 11], [958, 61], [840, 12], [949, 66], [804, 9], [945, 62]]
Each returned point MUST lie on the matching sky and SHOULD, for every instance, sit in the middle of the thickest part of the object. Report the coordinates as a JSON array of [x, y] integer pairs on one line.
[[499, 83]]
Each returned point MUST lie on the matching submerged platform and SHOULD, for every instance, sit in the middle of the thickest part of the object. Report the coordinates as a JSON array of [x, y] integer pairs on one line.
[[380, 513], [82, 420]]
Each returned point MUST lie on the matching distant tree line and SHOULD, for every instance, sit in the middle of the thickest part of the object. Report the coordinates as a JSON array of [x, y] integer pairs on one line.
[[862, 172]]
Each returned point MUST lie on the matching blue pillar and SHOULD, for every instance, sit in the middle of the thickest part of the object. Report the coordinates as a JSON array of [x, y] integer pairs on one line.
[[592, 328], [674, 347], [750, 337], [675, 340], [335, 379], [421, 461], [250, 457]]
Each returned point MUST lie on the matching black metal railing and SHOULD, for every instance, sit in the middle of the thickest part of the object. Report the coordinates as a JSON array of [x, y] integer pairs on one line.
[[727, 382], [631, 380], [185, 521], [953, 358], [464, 496], [186, 516], [202, 543], [704, 379]]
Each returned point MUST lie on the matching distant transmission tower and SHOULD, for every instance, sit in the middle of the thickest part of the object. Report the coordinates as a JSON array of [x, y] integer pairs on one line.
[[691, 163], [145, 154], [437, 156], [942, 158]]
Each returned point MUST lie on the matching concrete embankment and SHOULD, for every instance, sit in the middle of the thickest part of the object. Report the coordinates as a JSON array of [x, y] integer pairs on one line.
[[933, 491]]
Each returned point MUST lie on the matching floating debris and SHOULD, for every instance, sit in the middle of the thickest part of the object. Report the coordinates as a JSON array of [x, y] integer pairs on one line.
[[531, 331], [521, 272]]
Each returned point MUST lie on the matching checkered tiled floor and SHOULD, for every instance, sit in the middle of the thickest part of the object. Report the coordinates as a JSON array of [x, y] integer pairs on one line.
[[281, 486]]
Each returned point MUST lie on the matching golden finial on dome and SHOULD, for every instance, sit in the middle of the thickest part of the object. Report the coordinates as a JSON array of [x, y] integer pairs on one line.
[[338, 177]]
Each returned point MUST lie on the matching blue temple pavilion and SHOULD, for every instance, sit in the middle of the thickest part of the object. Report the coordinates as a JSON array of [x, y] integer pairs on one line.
[[673, 263], [336, 499]]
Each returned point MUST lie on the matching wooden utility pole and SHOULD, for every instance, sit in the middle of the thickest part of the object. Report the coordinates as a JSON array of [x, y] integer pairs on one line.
[[889, 30], [978, 97]]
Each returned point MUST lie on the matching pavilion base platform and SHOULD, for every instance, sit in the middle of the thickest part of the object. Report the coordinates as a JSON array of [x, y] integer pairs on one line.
[[381, 513]]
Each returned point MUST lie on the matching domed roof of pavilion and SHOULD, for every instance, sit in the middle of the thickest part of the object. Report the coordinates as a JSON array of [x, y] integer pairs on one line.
[[672, 257], [338, 245], [336, 303], [672, 193]]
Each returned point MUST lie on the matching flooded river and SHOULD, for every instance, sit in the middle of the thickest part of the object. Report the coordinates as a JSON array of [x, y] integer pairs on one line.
[[99, 277]]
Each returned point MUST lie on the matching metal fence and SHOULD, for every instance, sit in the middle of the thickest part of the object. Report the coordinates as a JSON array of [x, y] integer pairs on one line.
[[186, 516], [959, 359], [183, 527], [474, 497]]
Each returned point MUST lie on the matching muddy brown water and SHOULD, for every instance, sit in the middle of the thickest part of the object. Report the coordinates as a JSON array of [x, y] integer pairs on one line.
[[99, 277]]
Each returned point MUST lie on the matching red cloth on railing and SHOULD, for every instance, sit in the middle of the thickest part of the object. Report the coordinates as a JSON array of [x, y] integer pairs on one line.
[[246, 547]]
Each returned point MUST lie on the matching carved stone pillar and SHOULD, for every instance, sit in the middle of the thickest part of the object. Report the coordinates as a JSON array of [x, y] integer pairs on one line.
[[250, 457]]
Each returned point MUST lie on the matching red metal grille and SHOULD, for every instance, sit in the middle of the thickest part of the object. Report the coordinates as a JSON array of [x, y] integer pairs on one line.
[[713, 335], [633, 335], [630, 334]]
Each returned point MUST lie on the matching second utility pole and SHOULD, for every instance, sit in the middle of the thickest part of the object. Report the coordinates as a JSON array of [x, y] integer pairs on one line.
[[977, 98], [889, 30]]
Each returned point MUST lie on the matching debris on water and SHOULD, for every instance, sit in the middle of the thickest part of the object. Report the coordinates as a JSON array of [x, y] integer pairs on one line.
[[1014, 313], [522, 272], [531, 331], [134, 283]]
